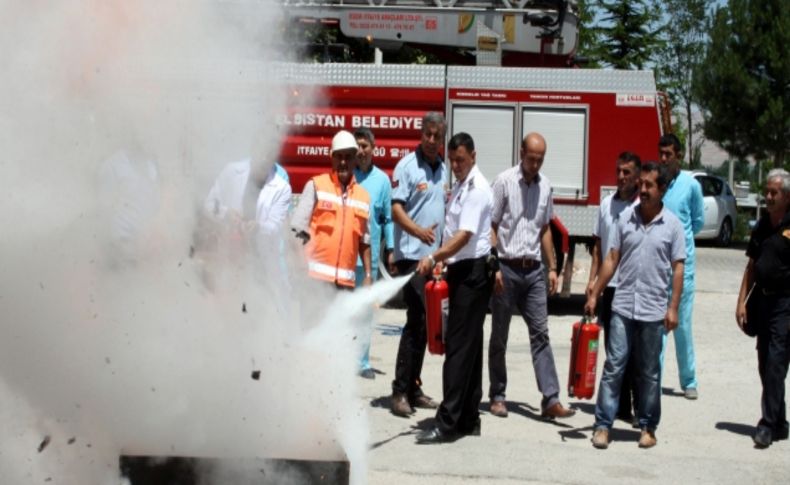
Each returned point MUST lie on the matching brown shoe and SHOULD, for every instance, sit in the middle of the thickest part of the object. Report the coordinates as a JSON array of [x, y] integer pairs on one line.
[[600, 438], [648, 439], [424, 402], [400, 405], [498, 408], [557, 411]]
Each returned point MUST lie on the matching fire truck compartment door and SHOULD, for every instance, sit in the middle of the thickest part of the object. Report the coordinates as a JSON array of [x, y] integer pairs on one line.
[[493, 131], [565, 131]]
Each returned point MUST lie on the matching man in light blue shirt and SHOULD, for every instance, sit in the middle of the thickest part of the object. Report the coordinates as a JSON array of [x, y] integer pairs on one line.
[[419, 185], [377, 183], [684, 199], [647, 250]]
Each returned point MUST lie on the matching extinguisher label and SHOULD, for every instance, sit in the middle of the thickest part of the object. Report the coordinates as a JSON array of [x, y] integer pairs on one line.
[[445, 312], [592, 363]]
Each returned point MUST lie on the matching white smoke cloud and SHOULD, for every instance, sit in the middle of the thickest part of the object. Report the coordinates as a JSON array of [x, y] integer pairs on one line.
[[116, 337]]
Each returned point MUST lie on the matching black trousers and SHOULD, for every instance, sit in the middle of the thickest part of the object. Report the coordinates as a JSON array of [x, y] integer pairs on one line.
[[773, 357], [411, 350], [462, 373], [629, 387]]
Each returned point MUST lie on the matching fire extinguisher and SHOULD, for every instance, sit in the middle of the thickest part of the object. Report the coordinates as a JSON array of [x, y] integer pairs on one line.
[[437, 305], [584, 359]]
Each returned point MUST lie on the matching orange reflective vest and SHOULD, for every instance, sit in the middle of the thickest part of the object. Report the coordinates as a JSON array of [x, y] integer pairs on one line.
[[336, 228]]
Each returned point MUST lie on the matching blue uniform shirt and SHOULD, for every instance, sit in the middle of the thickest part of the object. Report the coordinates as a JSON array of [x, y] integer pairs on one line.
[[684, 199], [378, 186], [422, 190]]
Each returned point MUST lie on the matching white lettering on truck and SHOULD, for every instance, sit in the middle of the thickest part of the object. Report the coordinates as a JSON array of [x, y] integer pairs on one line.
[[387, 122]]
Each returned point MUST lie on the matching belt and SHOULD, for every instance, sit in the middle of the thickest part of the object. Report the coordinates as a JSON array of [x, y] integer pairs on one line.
[[520, 263]]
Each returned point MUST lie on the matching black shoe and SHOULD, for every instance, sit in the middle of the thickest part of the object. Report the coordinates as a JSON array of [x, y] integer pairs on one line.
[[762, 437], [435, 436]]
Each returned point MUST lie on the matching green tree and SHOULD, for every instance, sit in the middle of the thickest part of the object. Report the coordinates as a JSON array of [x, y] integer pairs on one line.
[[743, 83], [589, 42], [628, 33], [684, 36]]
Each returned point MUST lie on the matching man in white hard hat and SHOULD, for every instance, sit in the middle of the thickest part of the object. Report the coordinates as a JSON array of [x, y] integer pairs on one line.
[[332, 218]]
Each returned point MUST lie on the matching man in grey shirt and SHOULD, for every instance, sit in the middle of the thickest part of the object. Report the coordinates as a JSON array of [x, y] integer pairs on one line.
[[647, 249], [520, 229]]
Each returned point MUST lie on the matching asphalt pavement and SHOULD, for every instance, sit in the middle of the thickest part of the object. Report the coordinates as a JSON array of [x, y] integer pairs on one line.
[[702, 441]]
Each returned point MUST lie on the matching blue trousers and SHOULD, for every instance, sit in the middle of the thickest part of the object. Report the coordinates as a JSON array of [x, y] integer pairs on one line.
[[643, 339], [684, 343], [367, 330]]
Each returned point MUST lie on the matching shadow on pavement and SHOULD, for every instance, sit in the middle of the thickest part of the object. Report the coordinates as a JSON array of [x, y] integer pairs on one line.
[[737, 428], [585, 407], [381, 402], [421, 425], [668, 391], [575, 433]]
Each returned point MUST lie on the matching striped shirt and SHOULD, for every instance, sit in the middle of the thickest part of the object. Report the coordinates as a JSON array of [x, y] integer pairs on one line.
[[520, 212]]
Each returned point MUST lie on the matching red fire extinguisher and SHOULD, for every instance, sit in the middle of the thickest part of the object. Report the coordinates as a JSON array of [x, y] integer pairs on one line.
[[584, 359], [437, 305]]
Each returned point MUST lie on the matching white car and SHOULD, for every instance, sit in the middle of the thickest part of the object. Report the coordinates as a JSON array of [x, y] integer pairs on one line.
[[720, 209]]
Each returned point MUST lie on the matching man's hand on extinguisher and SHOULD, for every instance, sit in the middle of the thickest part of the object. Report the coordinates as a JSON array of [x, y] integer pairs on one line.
[[589, 307], [499, 283], [671, 320], [425, 266]]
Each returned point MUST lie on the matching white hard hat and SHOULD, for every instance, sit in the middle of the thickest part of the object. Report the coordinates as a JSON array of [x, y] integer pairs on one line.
[[343, 140]]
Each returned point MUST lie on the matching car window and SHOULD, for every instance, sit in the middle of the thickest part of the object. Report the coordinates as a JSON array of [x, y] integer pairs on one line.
[[717, 185], [727, 190], [708, 189]]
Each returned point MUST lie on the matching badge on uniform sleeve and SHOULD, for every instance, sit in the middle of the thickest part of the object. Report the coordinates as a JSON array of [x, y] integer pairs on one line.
[[786, 233], [422, 187], [395, 184]]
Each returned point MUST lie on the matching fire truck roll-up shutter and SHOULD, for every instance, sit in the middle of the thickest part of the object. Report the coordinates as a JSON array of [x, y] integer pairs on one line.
[[565, 131], [493, 130]]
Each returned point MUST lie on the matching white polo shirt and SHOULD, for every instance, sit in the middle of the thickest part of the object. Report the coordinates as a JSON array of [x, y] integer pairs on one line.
[[469, 209]]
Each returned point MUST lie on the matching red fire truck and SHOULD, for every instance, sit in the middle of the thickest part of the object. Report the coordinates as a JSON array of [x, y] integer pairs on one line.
[[588, 116]]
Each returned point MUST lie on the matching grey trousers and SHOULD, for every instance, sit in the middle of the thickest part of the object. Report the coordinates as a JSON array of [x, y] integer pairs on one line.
[[526, 290]]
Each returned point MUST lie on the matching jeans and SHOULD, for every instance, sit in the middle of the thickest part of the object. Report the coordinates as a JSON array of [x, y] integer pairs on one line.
[[628, 387], [644, 340]]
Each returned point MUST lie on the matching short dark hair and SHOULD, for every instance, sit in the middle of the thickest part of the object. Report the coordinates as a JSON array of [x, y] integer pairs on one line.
[[627, 157], [461, 139], [663, 173], [671, 139], [364, 132]]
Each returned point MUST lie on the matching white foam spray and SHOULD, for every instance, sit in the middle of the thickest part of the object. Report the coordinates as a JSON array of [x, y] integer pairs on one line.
[[114, 118]]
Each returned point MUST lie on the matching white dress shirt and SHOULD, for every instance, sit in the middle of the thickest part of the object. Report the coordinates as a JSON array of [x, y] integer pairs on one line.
[[469, 209]]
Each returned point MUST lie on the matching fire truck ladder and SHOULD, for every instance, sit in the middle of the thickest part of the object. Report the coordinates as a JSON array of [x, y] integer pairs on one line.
[[484, 27]]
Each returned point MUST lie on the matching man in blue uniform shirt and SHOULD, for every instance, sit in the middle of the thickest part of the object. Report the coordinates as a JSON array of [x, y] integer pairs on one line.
[[419, 183], [684, 199]]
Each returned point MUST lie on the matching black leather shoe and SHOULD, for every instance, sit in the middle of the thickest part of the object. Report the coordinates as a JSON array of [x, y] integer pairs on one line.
[[435, 436], [762, 437]]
